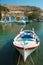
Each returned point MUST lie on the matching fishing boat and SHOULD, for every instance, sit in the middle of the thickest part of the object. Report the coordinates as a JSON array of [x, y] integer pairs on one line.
[[26, 42]]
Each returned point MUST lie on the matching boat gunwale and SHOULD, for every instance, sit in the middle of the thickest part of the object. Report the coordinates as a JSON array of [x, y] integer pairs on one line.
[[29, 48]]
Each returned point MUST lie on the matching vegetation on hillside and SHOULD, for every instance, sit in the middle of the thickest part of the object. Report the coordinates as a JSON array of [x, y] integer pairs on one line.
[[33, 15], [2, 8]]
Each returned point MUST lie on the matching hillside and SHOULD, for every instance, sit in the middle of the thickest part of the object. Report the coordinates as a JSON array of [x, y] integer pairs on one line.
[[19, 7]]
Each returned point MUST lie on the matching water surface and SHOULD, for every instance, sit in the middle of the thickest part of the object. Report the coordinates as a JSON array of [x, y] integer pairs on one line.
[[8, 53]]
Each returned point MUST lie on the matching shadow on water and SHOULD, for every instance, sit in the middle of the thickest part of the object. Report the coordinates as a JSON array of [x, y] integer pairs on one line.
[[8, 54]]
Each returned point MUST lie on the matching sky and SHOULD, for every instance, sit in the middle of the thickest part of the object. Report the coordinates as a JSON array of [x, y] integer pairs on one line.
[[38, 3]]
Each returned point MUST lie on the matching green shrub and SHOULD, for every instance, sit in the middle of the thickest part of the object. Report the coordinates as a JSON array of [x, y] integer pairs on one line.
[[33, 15]]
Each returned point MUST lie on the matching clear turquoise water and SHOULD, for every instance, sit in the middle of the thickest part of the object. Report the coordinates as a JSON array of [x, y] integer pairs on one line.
[[8, 54]]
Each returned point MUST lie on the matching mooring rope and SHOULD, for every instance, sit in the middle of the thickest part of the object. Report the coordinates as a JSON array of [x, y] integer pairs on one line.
[[18, 60], [32, 60]]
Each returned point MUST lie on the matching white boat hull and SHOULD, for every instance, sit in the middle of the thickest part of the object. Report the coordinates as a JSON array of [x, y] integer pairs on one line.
[[25, 53]]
